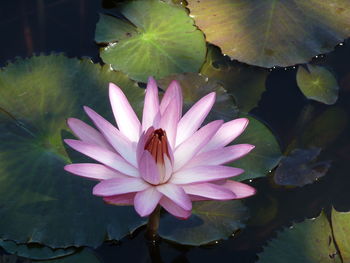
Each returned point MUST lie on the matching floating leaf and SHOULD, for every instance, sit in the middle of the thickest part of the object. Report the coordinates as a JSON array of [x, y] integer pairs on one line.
[[341, 231], [301, 168], [34, 251], [317, 83], [307, 242], [161, 41], [273, 33], [40, 202], [210, 221], [244, 83], [264, 157], [195, 86], [86, 256]]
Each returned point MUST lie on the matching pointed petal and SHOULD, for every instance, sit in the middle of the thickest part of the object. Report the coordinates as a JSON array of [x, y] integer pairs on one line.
[[104, 156], [87, 134], [241, 190], [93, 171], [146, 201], [169, 121], [211, 191], [174, 209], [221, 155], [121, 143], [176, 194], [194, 118], [148, 168], [204, 174], [151, 106], [189, 148], [123, 199], [173, 93], [127, 121], [117, 186], [226, 134]]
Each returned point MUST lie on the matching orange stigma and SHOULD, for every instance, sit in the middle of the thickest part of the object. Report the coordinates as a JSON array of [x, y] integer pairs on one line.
[[157, 145]]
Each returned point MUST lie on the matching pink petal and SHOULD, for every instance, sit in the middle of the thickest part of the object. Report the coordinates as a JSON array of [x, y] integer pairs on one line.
[[117, 186], [148, 168], [193, 144], [151, 106], [169, 122], [176, 194], [241, 190], [104, 156], [226, 134], [87, 134], [174, 209], [204, 174], [125, 116], [173, 93], [142, 142], [146, 201], [120, 143], [211, 191], [194, 118], [124, 199], [221, 155], [93, 171]]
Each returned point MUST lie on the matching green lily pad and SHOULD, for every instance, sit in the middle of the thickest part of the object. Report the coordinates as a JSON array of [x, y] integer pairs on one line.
[[273, 32], [39, 201], [34, 251], [264, 157], [195, 86], [317, 83], [158, 39], [86, 256], [245, 83], [210, 221], [307, 242], [341, 231], [301, 167]]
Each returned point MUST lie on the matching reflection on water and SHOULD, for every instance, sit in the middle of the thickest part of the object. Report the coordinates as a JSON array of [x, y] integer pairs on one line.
[[68, 26]]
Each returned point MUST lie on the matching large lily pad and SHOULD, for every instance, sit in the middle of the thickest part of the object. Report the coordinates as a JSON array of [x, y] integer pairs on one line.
[[273, 32], [307, 242], [314, 240], [86, 255], [266, 154], [318, 83], [39, 202], [210, 221], [158, 39]]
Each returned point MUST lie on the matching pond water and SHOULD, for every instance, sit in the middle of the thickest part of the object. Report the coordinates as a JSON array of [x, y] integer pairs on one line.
[[68, 26]]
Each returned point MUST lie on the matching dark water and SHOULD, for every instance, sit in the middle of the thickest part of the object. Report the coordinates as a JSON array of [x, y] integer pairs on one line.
[[43, 26]]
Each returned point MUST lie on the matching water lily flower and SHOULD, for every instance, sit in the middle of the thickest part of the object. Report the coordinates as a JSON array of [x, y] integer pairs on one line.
[[166, 159]]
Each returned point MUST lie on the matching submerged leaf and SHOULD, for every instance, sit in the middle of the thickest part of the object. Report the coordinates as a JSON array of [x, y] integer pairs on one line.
[[301, 168], [195, 86], [246, 84], [40, 202], [210, 221], [34, 251], [317, 83], [161, 41], [273, 32]]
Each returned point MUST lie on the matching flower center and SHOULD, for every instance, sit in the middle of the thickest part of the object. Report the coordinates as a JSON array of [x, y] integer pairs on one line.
[[157, 145]]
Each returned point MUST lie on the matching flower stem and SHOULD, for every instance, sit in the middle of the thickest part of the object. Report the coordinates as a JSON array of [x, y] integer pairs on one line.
[[153, 224]]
